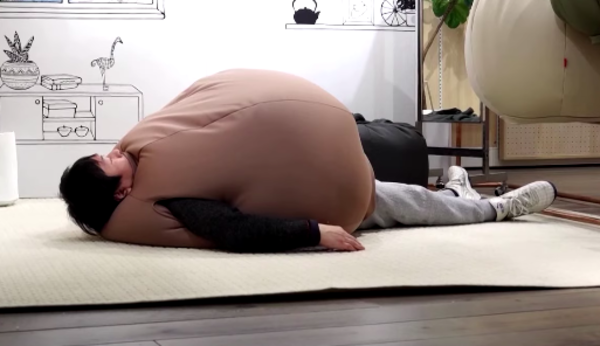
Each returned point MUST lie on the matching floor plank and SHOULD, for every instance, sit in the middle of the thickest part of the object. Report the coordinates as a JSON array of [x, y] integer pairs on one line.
[[55, 320], [466, 297], [406, 331], [28, 321], [576, 306], [572, 180], [580, 336], [147, 343]]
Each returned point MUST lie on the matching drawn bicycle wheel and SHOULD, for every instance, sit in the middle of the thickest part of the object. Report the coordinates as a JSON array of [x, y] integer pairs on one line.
[[393, 12]]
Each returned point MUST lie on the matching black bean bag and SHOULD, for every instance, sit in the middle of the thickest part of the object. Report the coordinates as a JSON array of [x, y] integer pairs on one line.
[[397, 151]]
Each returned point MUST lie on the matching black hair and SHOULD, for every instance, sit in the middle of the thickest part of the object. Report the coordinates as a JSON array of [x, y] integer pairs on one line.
[[89, 194]]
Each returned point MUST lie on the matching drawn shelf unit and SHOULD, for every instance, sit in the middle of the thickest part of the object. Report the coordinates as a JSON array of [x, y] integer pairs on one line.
[[87, 114], [82, 9], [385, 15]]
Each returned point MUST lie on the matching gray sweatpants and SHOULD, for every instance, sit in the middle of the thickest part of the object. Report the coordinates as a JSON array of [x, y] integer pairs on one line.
[[414, 205]]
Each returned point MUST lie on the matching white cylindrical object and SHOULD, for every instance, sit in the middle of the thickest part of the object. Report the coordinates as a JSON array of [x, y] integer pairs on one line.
[[9, 173]]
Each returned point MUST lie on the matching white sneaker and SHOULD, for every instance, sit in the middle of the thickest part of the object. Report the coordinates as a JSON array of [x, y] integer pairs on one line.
[[458, 181], [529, 199]]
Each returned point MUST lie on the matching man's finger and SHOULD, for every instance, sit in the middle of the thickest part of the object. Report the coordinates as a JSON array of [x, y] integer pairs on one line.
[[357, 245], [351, 241], [349, 246], [360, 245]]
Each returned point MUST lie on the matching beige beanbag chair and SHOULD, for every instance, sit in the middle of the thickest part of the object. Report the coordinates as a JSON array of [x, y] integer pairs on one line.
[[529, 66]]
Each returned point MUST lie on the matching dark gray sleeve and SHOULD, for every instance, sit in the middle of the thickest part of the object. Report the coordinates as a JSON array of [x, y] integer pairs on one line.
[[232, 230]]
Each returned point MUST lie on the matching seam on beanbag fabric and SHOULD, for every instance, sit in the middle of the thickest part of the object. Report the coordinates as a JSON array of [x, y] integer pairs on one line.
[[236, 111]]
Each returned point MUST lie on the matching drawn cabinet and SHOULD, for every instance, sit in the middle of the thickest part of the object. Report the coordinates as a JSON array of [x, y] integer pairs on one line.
[[85, 114], [21, 114], [115, 110]]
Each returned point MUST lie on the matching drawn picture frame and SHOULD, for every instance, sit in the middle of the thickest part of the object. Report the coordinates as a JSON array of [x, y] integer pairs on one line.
[[83, 9]]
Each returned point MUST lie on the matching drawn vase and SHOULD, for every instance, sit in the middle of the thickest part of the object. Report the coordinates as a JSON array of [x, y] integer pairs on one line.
[[19, 75]]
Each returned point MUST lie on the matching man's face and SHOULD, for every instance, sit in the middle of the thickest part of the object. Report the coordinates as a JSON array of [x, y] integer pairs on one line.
[[115, 164]]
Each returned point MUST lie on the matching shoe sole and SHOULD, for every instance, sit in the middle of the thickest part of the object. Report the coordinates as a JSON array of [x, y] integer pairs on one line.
[[555, 191]]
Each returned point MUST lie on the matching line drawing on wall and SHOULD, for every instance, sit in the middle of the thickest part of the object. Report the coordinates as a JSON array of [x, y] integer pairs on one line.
[[83, 9], [61, 108], [19, 72], [387, 15], [106, 63]]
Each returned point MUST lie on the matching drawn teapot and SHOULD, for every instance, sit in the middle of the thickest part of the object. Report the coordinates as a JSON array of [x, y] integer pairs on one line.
[[306, 15]]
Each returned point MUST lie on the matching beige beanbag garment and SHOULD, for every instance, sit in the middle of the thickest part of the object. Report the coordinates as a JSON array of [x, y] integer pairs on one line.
[[266, 142], [528, 66]]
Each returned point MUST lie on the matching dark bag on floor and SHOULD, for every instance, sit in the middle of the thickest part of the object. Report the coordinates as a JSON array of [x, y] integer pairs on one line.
[[397, 151]]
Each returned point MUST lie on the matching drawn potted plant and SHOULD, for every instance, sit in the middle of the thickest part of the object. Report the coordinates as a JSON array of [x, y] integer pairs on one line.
[[19, 73], [306, 15]]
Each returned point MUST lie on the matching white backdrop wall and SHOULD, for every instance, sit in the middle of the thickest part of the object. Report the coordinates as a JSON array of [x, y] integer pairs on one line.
[[371, 68]]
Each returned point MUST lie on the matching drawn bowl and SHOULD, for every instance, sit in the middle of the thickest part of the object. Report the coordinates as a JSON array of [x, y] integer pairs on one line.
[[82, 131], [64, 131]]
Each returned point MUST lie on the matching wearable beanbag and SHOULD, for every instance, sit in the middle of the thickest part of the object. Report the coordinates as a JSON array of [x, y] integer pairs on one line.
[[529, 66], [265, 142], [397, 151]]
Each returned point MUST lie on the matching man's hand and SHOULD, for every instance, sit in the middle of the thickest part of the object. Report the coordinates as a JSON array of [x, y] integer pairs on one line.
[[334, 237]]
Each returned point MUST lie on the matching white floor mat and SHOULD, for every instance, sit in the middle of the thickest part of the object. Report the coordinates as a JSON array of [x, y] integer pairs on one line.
[[45, 261]]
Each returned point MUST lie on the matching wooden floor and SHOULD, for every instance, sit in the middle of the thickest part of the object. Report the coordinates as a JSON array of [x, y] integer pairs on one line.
[[532, 318], [572, 180], [581, 181], [421, 317]]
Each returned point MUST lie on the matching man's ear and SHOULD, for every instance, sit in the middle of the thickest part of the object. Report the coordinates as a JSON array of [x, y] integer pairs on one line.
[[122, 193]]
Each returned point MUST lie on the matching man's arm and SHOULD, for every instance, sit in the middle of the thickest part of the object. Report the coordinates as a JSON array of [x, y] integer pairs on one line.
[[232, 230]]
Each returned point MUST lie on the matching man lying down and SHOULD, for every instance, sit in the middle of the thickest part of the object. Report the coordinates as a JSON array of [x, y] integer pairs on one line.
[[261, 161]]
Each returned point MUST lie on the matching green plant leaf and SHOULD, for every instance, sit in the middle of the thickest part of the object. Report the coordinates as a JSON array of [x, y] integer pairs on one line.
[[439, 7], [458, 15]]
